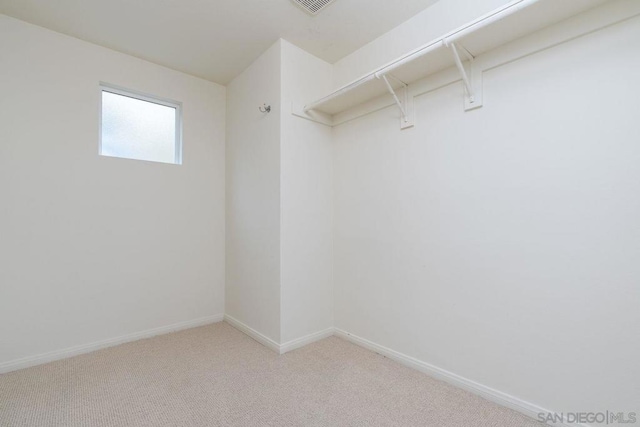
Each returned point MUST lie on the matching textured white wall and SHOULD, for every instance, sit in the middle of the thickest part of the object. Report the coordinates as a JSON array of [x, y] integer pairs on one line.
[[91, 247], [253, 196], [307, 200], [501, 244]]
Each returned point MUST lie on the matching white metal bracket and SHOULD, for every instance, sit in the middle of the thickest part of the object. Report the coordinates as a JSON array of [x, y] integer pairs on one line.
[[405, 105], [472, 81]]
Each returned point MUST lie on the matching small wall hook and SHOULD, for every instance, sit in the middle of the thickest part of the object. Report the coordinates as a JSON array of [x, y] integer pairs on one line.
[[265, 108]]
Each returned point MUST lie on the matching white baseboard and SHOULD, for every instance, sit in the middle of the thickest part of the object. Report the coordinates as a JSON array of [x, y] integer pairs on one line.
[[262, 339], [488, 393], [526, 408], [307, 339], [269, 343], [14, 365]]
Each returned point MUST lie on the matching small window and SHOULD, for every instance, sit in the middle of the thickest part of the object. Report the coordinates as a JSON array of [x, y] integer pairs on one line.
[[141, 127]]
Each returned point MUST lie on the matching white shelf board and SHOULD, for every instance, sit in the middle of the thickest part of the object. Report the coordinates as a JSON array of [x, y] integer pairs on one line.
[[516, 19]]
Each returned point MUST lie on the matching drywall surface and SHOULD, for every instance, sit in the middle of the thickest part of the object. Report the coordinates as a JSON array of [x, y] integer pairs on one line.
[[431, 23], [253, 196], [279, 199], [92, 247], [306, 200], [502, 244]]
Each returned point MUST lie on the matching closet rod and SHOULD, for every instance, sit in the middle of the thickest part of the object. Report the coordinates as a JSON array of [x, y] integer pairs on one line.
[[451, 37]]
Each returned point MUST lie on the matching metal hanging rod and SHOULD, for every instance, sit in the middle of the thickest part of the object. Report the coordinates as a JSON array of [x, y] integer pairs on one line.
[[444, 41]]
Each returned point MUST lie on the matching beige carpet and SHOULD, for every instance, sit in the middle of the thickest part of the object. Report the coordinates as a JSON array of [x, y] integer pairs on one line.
[[217, 376]]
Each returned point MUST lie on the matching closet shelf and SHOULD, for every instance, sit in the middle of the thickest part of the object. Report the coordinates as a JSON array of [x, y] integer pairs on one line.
[[510, 22]]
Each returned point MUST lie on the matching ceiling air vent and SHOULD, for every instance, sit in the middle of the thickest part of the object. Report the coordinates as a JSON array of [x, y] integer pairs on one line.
[[313, 6]]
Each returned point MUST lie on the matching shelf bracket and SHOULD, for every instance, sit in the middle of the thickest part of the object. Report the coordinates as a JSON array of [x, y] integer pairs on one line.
[[473, 85], [406, 108]]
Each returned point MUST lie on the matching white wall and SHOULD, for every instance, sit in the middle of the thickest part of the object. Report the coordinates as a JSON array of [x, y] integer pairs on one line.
[[307, 200], [498, 244], [253, 196], [434, 21], [279, 199], [92, 247], [501, 244]]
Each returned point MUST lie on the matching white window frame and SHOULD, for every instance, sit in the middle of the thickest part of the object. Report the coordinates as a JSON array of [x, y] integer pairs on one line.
[[118, 90]]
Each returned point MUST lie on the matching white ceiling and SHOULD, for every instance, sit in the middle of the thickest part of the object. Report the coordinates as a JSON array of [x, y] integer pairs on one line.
[[215, 39]]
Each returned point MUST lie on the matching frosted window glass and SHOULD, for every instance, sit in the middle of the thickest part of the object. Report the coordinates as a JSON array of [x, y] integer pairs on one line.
[[137, 129]]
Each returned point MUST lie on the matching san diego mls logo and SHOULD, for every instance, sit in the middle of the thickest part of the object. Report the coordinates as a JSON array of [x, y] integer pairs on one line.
[[604, 418]]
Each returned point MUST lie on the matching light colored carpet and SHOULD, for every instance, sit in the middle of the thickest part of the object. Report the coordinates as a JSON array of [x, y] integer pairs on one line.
[[217, 376]]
